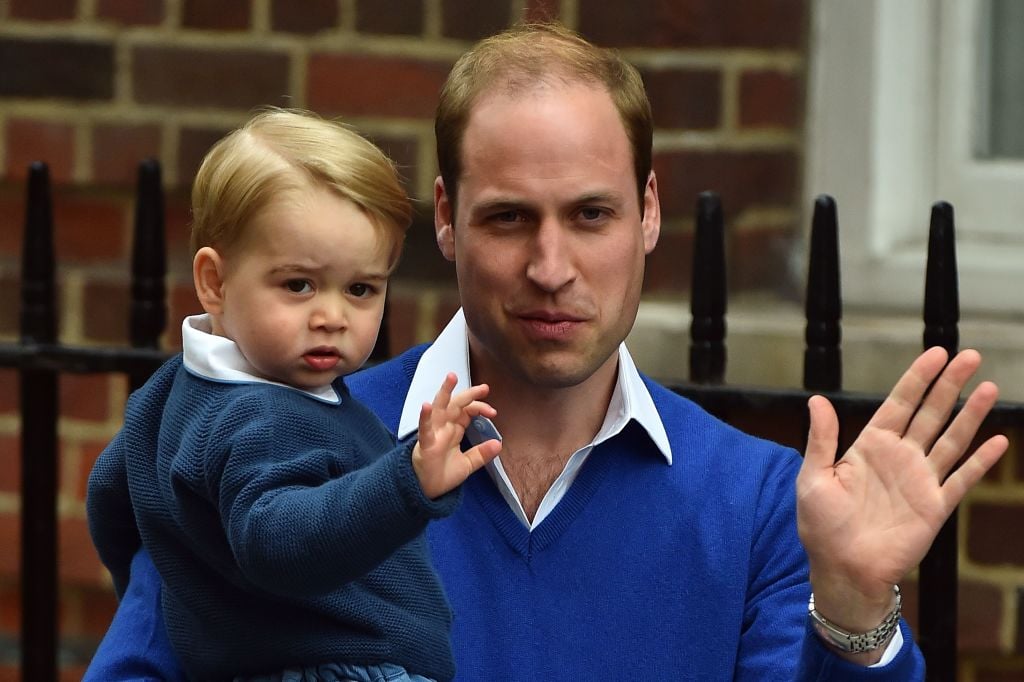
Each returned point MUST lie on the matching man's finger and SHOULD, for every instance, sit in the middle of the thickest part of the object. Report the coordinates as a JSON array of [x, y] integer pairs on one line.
[[823, 437], [902, 402], [929, 421], [957, 438]]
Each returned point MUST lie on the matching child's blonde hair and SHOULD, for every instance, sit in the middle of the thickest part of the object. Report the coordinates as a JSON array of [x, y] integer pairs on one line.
[[280, 151]]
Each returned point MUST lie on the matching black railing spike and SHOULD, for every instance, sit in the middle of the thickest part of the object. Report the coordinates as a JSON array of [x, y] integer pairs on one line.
[[38, 308], [941, 290], [39, 410], [708, 293], [824, 308], [149, 260], [937, 614]]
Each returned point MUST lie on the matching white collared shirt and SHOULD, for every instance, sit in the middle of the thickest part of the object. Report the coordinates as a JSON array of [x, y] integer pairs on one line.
[[218, 358], [630, 401]]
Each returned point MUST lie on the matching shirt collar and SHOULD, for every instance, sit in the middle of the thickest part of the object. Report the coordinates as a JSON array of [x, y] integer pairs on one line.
[[450, 353], [218, 358]]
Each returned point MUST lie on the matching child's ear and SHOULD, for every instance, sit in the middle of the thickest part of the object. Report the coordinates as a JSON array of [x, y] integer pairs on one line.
[[208, 277]]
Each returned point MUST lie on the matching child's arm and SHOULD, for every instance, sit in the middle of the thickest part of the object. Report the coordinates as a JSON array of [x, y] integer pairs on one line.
[[439, 462]]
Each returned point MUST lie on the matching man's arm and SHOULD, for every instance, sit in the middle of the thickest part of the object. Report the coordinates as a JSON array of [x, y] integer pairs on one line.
[[867, 520], [136, 645]]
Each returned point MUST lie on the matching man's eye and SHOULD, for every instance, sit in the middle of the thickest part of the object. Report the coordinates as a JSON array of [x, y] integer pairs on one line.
[[506, 217], [591, 213], [298, 286]]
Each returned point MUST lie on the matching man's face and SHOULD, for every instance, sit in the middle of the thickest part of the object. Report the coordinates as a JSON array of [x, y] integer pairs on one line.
[[549, 243]]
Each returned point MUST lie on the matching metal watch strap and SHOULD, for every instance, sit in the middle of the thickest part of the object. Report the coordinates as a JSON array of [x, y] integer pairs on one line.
[[857, 642]]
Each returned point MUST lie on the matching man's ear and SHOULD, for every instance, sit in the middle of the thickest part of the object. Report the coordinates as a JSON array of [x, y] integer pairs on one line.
[[650, 224], [208, 277], [443, 217]]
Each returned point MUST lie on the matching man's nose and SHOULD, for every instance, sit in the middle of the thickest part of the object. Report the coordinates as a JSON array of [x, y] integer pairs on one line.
[[551, 265]]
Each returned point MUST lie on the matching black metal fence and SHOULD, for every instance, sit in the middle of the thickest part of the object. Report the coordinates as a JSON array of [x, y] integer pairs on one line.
[[39, 359]]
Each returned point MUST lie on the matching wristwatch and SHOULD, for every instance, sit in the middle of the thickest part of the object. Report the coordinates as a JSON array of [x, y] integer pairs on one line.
[[856, 642]]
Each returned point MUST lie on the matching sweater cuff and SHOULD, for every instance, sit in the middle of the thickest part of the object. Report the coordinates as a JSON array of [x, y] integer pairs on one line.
[[412, 493], [821, 663]]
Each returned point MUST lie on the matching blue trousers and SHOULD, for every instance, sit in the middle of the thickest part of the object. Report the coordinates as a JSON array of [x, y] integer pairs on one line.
[[335, 672]]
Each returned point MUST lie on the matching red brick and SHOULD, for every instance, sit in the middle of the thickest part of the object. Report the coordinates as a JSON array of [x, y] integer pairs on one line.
[[980, 611], [695, 23], [770, 99], [10, 540], [397, 17], [669, 266], [118, 149], [10, 606], [131, 12], [239, 79], [685, 98], [106, 319], [223, 15], [45, 10], [90, 451], [1000, 670], [990, 531], [402, 321], [758, 259], [10, 673], [10, 464], [8, 390], [29, 141], [85, 396], [192, 147], [472, 20], [404, 151], [77, 561], [541, 10], [56, 67], [369, 85], [90, 228], [12, 208], [177, 228], [306, 17], [9, 308], [98, 608], [421, 259], [183, 303], [741, 178], [446, 309], [71, 672]]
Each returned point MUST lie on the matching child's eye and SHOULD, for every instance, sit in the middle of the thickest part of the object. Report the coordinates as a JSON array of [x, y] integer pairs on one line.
[[298, 286], [360, 290]]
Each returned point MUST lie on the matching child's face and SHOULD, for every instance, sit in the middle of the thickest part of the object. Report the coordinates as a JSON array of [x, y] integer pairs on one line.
[[303, 289]]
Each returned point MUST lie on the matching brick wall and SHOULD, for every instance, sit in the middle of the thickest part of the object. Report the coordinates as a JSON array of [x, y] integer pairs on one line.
[[94, 86]]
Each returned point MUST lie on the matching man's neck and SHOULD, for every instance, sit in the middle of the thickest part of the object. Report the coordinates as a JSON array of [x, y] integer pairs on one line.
[[543, 426]]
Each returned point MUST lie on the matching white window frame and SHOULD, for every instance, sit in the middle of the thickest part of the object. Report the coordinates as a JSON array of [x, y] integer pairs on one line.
[[890, 99]]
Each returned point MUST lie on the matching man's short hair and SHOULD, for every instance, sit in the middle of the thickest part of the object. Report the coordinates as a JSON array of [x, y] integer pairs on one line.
[[282, 151], [524, 57]]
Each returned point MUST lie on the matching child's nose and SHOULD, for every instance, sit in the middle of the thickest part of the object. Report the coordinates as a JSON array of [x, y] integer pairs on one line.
[[329, 314]]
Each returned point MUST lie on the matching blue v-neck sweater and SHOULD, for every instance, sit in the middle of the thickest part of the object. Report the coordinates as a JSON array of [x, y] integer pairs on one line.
[[689, 571]]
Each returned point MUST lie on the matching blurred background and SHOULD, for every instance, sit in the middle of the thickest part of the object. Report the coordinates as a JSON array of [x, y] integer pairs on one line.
[[887, 105]]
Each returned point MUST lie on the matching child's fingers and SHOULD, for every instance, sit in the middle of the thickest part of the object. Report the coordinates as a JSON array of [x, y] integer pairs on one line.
[[444, 394], [481, 454], [478, 407], [426, 433], [463, 398]]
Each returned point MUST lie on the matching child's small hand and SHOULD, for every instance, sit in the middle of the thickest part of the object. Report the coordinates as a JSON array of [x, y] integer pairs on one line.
[[439, 462]]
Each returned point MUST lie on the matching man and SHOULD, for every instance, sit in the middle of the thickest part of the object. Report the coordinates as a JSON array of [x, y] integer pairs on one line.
[[623, 532]]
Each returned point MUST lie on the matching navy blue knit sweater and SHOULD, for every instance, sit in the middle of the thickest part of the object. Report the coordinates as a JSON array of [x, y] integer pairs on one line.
[[287, 531]]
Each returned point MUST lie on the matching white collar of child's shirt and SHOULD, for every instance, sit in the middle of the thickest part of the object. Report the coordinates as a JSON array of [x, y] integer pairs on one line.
[[450, 353], [218, 358]]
